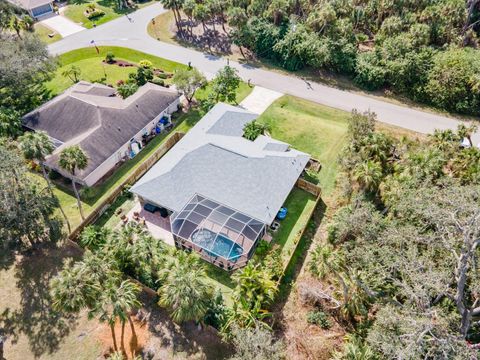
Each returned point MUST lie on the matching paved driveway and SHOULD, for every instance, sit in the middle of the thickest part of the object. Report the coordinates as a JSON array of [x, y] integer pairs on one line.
[[62, 25], [259, 99]]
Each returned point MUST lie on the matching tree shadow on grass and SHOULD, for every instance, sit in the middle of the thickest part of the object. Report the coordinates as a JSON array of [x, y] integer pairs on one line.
[[186, 339], [213, 41], [34, 317]]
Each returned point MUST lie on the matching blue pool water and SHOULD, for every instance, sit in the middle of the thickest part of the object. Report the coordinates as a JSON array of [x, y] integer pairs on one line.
[[223, 246]]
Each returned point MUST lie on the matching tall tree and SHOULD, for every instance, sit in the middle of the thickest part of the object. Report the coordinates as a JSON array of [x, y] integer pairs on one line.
[[184, 289], [73, 158], [27, 211], [225, 84], [175, 6], [115, 303], [25, 66], [188, 81], [37, 146], [96, 285]]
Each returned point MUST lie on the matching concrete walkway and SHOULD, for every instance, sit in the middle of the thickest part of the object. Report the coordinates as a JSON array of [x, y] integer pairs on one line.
[[260, 99], [63, 26], [133, 34]]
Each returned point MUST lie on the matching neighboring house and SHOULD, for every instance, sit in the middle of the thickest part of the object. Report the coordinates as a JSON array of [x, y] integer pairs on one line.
[[108, 128], [221, 190], [35, 8]]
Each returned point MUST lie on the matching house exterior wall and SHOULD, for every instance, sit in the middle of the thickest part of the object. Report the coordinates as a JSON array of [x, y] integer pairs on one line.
[[108, 164]]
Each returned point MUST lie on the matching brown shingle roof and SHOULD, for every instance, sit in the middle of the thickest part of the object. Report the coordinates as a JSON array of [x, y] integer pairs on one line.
[[91, 116]]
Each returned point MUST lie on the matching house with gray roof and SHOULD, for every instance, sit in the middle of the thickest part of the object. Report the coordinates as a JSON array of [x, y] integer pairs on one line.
[[222, 191], [36, 8], [108, 128]]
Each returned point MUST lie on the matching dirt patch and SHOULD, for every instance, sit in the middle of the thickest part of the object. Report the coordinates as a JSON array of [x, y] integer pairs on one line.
[[305, 341], [134, 341]]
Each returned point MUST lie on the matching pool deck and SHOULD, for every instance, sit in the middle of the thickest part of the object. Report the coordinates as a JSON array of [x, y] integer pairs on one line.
[[157, 226]]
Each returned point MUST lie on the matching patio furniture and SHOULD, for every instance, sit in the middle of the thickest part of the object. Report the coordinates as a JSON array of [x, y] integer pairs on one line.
[[150, 208], [163, 212]]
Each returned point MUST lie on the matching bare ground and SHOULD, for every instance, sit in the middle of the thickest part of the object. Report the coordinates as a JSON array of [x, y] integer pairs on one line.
[[35, 331], [305, 341]]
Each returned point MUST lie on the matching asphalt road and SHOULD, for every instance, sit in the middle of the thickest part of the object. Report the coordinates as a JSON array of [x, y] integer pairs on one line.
[[131, 32]]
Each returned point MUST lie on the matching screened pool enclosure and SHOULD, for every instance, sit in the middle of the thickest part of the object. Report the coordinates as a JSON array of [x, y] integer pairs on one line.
[[225, 237]]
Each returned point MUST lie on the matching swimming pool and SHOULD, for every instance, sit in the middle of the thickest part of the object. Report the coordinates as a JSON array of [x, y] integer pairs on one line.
[[223, 246]]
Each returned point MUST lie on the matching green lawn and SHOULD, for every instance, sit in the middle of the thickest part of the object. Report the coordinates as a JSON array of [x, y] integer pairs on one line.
[[315, 129], [300, 205], [76, 9], [93, 69], [42, 31], [90, 62], [242, 92]]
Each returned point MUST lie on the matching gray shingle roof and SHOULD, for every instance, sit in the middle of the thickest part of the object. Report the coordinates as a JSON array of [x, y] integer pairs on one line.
[[30, 4], [218, 163], [91, 116]]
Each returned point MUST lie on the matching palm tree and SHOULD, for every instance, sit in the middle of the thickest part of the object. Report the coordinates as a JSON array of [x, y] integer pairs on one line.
[[71, 159], [254, 283], [17, 25], [37, 146], [253, 129], [175, 6], [116, 302], [67, 294], [445, 139], [73, 72], [93, 237], [185, 290], [368, 174], [246, 315], [325, 260]]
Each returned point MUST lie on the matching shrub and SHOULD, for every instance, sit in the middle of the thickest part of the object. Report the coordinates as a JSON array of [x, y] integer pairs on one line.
[[95, 14], [110, 57], [319, 318], [162, 76], [127, 89], [86, 192], [158, 81], [146, 64], [253, 129]]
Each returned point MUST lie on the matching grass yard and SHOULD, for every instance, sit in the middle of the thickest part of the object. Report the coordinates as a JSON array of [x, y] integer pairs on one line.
[[93, 69], [33, 329], [76, 9], [91, 64], [160, 29], [42, 31], [300, 205], [313, 128], [242, 92]]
